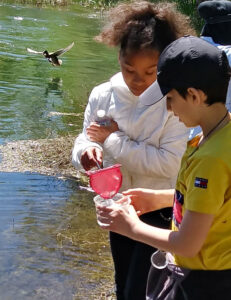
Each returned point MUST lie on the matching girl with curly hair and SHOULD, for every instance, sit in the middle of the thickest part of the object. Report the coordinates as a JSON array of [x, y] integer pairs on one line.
[[148, 141]]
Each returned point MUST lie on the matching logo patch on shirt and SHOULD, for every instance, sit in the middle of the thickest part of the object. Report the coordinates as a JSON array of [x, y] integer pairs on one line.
[[201, 182]]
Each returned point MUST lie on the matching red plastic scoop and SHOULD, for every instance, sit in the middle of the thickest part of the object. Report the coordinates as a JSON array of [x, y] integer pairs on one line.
[[106, 182]]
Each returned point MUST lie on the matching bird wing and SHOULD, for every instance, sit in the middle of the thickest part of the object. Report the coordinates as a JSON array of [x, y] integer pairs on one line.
[[61, 51], [33, 51]]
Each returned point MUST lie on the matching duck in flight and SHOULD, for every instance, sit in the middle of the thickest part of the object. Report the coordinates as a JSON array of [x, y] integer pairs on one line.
[[53, 56]]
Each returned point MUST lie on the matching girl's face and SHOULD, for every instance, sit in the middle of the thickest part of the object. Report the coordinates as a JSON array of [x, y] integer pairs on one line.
[[139, 69]]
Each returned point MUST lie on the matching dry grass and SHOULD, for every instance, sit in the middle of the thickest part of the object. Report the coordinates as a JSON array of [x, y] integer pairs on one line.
[[45, 156]]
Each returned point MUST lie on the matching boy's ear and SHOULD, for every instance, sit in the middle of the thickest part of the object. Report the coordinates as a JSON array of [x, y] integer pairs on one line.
[[198, 96]]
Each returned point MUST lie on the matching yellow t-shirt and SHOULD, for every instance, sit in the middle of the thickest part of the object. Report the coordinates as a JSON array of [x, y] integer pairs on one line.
[[204, 185]]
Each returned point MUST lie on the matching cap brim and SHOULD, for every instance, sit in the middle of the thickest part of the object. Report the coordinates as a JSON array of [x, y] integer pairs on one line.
[[153, 94]]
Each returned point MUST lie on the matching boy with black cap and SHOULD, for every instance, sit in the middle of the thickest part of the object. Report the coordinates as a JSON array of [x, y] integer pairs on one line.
[[217, 29], [199, 266], [217, 17]]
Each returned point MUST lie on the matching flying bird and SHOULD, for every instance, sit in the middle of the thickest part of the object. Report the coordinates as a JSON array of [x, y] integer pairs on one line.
[[53, 56]]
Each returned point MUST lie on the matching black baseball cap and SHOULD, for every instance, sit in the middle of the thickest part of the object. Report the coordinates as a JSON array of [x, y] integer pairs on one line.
[[187, 62], [215, 11], [217, 17]]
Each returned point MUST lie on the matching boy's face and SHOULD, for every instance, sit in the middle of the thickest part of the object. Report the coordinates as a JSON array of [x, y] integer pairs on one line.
[[139, 69], [183, 108]]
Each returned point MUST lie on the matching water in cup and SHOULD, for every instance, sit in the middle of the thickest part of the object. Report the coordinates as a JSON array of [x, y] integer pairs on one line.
[[112, 201]]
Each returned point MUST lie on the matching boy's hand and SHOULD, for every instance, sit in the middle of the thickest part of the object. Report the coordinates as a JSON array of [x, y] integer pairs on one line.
[[90, 156], [117, 219], [98, 133]]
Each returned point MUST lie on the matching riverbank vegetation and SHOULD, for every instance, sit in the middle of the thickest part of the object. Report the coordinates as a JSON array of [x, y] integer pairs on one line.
[[188, 7]]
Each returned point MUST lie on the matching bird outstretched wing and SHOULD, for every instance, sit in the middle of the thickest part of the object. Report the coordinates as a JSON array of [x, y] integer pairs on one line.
[[61, 51], [33, 51]]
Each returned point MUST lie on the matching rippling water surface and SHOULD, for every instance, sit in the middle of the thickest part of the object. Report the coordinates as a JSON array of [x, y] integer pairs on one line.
[[30, 88], [40, 257]]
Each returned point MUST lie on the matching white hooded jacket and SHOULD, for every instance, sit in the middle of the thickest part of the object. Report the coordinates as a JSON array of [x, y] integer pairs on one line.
[[150, 143]]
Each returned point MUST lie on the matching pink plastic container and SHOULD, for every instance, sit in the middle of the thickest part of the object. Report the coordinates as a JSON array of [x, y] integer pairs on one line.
[[107, 181]]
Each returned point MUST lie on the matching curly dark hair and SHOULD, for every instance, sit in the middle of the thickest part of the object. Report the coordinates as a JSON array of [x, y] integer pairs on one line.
[[144, 25]]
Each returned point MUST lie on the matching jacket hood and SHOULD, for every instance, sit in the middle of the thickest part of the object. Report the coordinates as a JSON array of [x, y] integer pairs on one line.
[[120, 88]]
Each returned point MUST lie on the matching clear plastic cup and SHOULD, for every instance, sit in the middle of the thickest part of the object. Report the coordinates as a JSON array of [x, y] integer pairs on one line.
[[112, 201]]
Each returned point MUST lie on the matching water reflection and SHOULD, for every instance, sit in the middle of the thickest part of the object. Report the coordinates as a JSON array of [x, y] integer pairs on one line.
[[54, 86]]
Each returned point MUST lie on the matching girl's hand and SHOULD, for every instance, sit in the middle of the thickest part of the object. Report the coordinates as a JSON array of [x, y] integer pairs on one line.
[[90, 156], [98, 133], [117, 219], [146, 200]]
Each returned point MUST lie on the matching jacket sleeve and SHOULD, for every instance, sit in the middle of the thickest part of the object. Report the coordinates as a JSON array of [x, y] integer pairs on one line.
[[82, 142], [144, 158]]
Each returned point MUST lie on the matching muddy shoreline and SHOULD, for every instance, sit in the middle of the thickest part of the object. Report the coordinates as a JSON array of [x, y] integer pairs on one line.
[[45, 156]]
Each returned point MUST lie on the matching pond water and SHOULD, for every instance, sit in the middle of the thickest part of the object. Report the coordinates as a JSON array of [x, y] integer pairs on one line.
[[51, 246]]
